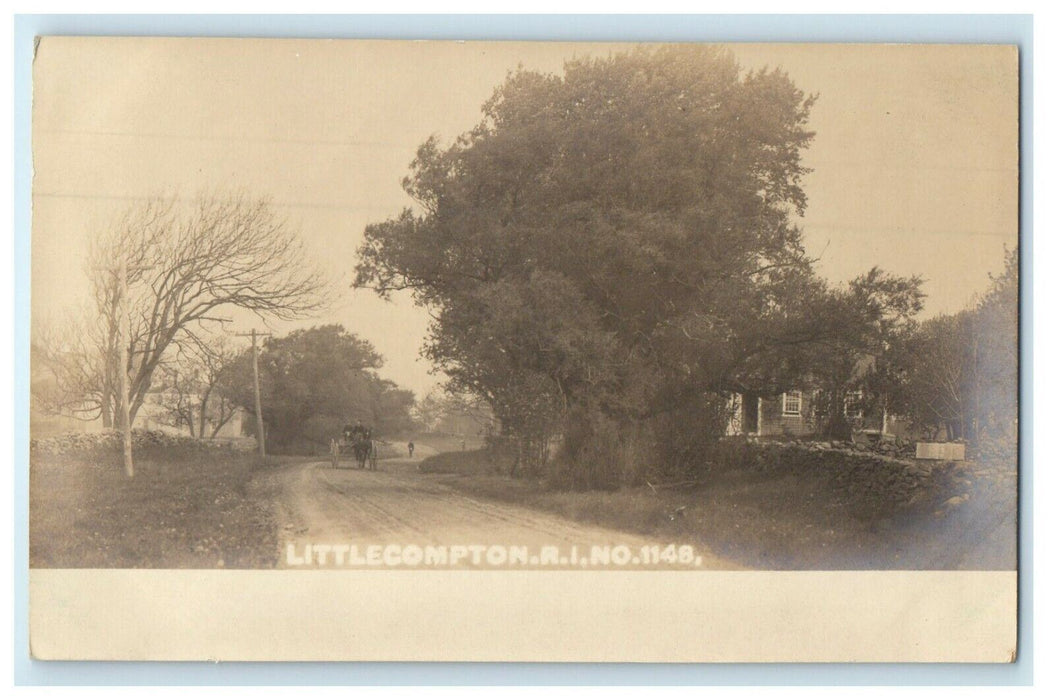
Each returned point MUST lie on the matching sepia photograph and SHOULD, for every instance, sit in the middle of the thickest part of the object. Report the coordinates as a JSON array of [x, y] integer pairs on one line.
[[524, 327]]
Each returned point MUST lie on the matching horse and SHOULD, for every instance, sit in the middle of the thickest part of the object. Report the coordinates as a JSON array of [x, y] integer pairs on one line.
[[363, 447]]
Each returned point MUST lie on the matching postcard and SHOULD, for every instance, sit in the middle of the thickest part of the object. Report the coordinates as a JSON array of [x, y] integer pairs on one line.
[[523, 351]]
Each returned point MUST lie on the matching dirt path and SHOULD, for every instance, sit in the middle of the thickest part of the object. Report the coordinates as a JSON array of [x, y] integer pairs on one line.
[[398, 505]]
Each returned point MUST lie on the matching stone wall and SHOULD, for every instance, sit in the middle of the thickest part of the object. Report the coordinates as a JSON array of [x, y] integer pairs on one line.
[[876, 481], [110, 441]]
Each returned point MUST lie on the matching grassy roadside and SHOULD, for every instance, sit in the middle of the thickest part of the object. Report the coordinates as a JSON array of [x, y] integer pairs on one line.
[[185, 508], [773, 521]]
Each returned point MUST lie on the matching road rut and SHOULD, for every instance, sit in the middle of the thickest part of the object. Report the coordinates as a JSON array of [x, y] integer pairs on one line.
[[398, 505]]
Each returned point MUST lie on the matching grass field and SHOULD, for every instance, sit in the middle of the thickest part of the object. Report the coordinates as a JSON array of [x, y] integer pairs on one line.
[[777, 521], [185, 508], [214, 508]]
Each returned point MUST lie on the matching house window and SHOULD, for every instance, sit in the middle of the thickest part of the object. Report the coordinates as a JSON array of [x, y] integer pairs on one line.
[[792, 403], [853, 404]]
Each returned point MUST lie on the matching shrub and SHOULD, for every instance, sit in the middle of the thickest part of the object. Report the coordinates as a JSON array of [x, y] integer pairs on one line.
[[598, 452]]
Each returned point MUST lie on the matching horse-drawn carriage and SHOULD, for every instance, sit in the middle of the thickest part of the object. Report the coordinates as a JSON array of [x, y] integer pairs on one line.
[[362, 449]]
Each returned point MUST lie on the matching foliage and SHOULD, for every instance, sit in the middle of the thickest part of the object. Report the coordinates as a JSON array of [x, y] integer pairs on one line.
[[445, 412], [187, 263], [958, 374], [619, 239], [996, 333], [313, 382], [428, 411]]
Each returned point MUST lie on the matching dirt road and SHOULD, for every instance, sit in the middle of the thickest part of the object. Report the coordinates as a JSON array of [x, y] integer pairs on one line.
[[398, 505]]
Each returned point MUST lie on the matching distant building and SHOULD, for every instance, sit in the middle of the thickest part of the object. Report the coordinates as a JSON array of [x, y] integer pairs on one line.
[[786, 414]]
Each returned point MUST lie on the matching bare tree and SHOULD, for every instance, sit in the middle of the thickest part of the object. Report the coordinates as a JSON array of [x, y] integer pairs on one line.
[[186, 263], [69, 368], [191, 395]]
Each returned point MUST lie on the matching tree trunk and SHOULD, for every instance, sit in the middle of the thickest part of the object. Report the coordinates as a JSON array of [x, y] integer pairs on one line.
[[106, 409], [107, 400], [224, 418], [514, 472], [953, 430], [133, 409], [202, 407]]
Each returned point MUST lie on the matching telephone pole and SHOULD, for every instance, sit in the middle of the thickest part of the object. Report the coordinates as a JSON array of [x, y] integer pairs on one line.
[[256, 390], [123, 333]]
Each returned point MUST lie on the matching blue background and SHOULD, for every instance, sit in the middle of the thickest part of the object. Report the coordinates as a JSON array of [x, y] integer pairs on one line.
[[1003, 29]]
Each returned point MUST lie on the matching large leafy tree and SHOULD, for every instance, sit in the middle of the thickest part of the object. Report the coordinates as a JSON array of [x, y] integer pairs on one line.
[[312, 382], [618, 239], [958, 374], [995, 396]]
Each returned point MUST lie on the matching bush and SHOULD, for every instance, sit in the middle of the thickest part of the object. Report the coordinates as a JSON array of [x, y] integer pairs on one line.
[[999, 450], [601, 452], [598, 453], [687, 438]]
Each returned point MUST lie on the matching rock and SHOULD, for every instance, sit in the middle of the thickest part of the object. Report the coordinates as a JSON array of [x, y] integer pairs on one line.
[[956, 501], [110, 440]]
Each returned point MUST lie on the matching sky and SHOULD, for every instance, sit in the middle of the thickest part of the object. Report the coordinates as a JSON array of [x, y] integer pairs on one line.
[[915, 159]]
